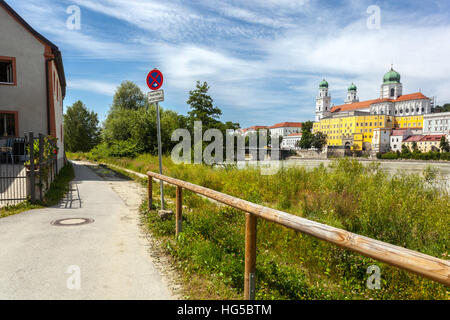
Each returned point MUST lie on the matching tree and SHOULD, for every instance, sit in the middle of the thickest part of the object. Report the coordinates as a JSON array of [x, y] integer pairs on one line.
[[307, 137], [130, 128], [414, 145], [444, 145], [129, 96], [319, 140], [202, 108], [81, 130], [444, 108], [406, 153]]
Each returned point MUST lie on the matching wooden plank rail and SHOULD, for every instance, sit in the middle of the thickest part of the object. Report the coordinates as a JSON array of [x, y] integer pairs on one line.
[[412, 261]]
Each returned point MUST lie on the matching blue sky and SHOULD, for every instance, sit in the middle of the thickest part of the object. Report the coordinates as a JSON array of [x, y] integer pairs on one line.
[[262, 59]]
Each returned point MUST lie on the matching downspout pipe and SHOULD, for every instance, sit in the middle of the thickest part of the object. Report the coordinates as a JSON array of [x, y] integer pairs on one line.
[[47, 61]]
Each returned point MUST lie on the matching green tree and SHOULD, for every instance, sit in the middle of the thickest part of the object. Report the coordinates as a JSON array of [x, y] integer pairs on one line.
[[129, 96], [406, 153], [319, 140], [81, 128], [202, 108], [444, 145], [307, 137], [129, 131], [443, 108]]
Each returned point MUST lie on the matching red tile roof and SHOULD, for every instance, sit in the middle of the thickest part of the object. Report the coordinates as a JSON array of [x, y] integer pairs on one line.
[[398, 132], [432, 138], [295, 134], [368, 103], [254, 128], [414, 138], [287, 125], [412, 96], [355, 106]]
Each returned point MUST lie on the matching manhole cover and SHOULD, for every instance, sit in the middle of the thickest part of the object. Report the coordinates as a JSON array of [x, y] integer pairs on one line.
[[72, 222]]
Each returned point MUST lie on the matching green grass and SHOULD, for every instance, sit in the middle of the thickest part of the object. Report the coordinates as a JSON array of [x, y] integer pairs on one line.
[[405, 210], [56, 192], [19, 208], [60, 186]]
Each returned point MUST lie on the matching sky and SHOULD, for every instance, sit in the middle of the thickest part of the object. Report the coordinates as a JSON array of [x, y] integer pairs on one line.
[[263, 59]]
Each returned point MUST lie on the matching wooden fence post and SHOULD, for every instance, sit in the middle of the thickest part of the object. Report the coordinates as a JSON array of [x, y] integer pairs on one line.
[[149, 193], [179, 213], [250, 256]]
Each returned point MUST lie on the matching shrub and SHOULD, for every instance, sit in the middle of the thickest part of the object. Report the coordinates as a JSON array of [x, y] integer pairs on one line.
[[389, 155]]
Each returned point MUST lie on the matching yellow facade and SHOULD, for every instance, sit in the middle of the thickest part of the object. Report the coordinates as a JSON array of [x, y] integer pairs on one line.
[[359, 129], [409, 122]]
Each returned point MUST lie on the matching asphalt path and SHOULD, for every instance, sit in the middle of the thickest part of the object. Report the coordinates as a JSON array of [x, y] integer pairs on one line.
[[106, 259]]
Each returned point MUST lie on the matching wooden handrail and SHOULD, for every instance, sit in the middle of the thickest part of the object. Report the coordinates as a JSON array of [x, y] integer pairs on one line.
[[412, 261]]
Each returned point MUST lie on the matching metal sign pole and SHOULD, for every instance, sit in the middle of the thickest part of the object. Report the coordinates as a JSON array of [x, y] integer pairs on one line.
[[160, 154]]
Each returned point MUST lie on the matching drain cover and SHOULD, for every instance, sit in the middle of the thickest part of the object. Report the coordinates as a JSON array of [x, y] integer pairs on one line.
[[72, 222]]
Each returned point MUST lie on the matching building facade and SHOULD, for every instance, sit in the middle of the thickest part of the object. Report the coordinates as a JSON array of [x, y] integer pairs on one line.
[[424, 143], [32, 81], [285, 129], [356, 122], [381, 140], [291, 141], [356, 126], [436, 123], [397, 138]]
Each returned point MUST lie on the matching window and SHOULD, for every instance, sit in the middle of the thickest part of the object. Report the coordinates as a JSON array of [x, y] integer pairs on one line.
[[8, 124], [8, 71], [392, 92]]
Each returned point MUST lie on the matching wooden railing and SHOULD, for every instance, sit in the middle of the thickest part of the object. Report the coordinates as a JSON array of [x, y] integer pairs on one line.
[[412, 261]]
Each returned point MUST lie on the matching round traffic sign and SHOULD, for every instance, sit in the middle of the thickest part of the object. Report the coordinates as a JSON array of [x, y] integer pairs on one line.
[[155, 79]]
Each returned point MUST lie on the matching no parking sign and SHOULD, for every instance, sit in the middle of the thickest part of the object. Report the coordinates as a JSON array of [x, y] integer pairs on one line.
[[155, 79]]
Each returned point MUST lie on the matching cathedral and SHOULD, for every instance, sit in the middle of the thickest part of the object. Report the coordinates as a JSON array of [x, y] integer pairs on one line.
[[390, 102]]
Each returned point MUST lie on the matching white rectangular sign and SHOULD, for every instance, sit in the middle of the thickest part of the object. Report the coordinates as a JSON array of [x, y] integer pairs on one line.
[[156, 96]]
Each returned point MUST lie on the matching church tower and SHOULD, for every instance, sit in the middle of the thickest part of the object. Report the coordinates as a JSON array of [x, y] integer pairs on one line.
[[323, 101], [391, 87], [351, 95]]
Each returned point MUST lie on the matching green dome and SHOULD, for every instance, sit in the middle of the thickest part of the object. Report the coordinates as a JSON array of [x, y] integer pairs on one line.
[[323, 84], [392, 77], [352, 87]]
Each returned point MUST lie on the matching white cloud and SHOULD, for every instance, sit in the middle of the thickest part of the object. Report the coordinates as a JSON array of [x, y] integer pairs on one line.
[[103, 88], [258, 54]]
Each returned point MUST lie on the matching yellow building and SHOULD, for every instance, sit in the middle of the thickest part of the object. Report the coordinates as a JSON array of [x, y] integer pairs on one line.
[[353, 126], [409, 122]]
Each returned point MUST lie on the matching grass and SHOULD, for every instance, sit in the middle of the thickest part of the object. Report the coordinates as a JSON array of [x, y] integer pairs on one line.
[[60, 186], [57, 190], [406, 210]]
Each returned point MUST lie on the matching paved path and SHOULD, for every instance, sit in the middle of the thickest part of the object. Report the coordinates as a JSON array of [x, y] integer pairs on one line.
[[111, 254]]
